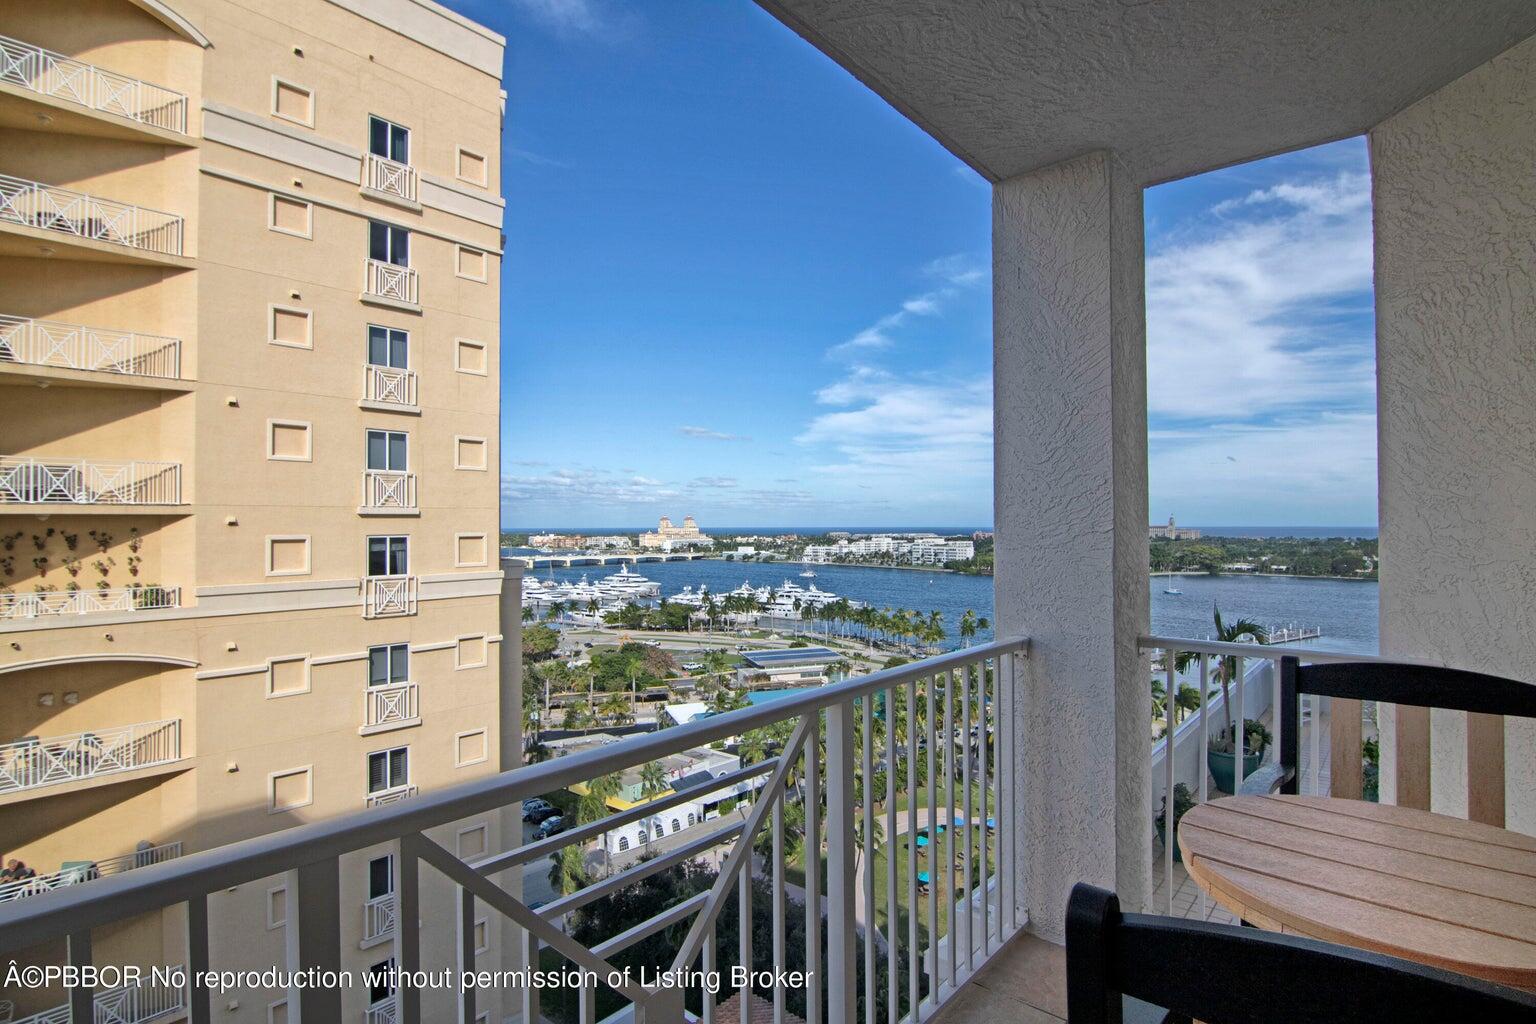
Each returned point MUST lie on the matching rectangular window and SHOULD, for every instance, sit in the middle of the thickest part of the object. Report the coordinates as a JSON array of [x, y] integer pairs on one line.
[[386, 449], [381, 876], [388, 556], [389, 140], [389, 664], [379, 988], [290, 216], [389, 244], [390, 347], [277, 907], [293, 103], [289, 326], [389, 769]]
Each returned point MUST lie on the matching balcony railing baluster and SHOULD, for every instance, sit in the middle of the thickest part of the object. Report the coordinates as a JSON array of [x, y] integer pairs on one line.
[[873, 719]]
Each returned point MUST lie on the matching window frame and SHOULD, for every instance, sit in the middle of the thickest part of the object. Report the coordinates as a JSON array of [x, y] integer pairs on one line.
[[389, 553], [389, 139], [388, 753]]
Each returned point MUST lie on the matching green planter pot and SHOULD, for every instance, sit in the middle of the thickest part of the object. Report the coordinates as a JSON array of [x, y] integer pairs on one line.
[[1222, 765], [1178, 854]]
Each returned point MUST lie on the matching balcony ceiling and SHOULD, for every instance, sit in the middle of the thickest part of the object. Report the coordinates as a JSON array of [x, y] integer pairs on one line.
[[1179, 86]]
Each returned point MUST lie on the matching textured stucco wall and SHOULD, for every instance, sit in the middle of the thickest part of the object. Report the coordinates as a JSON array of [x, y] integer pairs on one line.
[[1455, 205], [1071, 503]]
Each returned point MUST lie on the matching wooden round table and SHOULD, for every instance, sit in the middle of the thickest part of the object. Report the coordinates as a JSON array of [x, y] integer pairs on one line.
[[1451, 893]]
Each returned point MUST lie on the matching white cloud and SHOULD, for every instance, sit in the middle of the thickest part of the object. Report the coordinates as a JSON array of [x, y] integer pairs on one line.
[[574, 17], [706, 434], [956, 272], [1316, 470], [932, 430], [1242, 316], [583, 486]]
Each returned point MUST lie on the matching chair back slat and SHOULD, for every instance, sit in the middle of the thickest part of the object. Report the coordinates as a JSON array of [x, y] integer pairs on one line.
[[1426, 686], [1264, 977]]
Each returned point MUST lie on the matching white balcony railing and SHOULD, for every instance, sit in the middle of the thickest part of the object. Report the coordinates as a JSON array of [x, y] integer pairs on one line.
[[49, 481], [384, 596], [385, 490], [905, 782], [382, 174], [64, 78], [35, 205], [73, 347], [385, 1011], [386, 705], [391, 796], [145, 1003], [1185, 764], [389, 385], [86, 602], [85, 871], [390, 281], [379, 917], [32, 763]]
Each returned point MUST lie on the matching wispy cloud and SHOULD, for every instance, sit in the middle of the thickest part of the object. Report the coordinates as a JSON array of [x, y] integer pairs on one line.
[[593, 487], [923, 428], [1247, 315], [715, 482], [591, 18], [706, 434], [954, 273]]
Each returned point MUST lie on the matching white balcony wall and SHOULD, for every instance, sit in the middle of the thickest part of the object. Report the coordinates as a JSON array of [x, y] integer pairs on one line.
[[1455, 207], [1071, 504]]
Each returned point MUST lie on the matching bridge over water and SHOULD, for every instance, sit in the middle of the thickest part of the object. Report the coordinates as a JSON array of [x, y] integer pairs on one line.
[[603, 558]]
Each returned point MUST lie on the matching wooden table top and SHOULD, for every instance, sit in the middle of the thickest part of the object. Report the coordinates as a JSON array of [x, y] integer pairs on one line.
[[1442, 891]]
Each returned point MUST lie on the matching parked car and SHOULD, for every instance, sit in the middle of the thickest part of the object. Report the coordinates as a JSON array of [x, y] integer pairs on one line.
[[692, 666], [537, 810], [550, 827]]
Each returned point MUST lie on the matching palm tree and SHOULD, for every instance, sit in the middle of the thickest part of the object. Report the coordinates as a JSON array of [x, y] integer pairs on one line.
[[653, 780], [1226, 668], [568, 869], [616, 709], [527, 613], [578, 716], [968, 626]]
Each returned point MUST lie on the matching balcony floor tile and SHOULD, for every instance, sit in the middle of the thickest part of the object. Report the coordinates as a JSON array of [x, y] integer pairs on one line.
[[1026, 982]]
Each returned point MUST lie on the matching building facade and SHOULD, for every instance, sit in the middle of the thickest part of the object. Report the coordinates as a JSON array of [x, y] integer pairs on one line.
[[666, 536], [249, 265], [1172, 531]]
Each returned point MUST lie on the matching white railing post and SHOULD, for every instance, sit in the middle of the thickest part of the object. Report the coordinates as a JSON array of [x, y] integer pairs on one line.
[[842, 959]]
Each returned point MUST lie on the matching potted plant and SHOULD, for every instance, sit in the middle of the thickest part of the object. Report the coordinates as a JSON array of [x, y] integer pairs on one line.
[[1183, 800], [1221, 758]]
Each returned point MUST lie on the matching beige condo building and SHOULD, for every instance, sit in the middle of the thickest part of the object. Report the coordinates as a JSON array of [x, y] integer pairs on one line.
[[249, 265]]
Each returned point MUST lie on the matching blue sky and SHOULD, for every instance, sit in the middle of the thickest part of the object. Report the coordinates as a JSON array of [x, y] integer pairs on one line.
[[739, 285]]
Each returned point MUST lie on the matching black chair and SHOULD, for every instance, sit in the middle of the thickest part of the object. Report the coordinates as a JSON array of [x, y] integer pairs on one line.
[[1222, 974], [1426, 686]]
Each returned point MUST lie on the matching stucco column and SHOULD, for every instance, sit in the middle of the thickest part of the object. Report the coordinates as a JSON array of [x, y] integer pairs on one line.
[[1071, 519], [1455, 208]]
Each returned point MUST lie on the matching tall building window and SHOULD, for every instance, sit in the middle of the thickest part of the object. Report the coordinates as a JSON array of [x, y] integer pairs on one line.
[[389, 556], [389, 244], [381, 876], [386, 449], [389, 140], [389, 665], [389, 769], [389, 347]]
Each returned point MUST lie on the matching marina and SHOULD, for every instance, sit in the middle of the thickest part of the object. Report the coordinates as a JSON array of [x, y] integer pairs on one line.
[[1344, 612]]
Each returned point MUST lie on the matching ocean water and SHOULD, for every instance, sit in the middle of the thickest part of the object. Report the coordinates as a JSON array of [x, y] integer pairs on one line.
[[1346, 610]]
